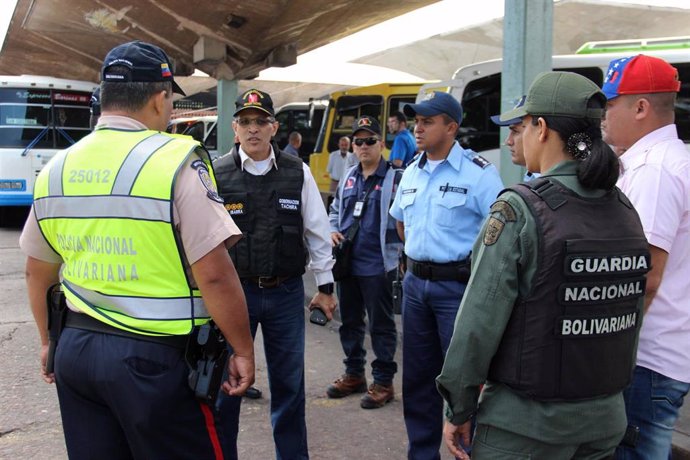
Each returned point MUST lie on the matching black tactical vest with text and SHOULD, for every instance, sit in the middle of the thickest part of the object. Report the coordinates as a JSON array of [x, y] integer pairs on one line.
[[574, 336], [268, 210]]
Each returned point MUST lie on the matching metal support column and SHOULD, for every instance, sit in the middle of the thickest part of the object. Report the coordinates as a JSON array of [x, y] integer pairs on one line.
[[527, 50], [227, 94]]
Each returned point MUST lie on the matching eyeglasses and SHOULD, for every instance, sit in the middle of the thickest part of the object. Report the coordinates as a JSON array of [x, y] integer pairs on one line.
[[360, 141], [259, 121]]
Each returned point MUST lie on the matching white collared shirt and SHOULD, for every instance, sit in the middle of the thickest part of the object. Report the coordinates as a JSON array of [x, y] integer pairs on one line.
[[317, 233], [656, 178]]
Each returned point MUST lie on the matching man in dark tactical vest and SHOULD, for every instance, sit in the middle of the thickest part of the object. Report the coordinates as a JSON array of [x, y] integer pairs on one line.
[[274, 200]]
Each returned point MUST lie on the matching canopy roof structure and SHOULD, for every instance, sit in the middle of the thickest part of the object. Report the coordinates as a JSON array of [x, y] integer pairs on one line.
[[229, 39], [575, 22]]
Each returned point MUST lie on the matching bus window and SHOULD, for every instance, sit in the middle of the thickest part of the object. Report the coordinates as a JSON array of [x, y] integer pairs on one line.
[[21, 124], [396, 104], [683, 103], [481, 100], [350, 108]]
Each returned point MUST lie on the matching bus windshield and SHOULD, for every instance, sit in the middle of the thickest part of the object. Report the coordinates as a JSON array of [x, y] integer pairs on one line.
[[42, 118], [38, 117]]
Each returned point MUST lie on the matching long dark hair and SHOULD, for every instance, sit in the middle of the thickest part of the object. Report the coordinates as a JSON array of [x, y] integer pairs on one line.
[[599, 169]]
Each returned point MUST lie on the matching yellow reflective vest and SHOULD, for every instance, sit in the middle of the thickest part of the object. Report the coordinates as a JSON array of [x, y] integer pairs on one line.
[[106, 206]]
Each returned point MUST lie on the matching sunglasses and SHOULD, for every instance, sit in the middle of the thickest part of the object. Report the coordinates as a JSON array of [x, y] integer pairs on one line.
[[259, 121], [360, 141]]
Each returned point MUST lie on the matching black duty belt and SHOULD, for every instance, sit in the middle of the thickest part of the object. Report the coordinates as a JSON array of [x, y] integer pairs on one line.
[[267, 282], [453, 271], [87, 323]]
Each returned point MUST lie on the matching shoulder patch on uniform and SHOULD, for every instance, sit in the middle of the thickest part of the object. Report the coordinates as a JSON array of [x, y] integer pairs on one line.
[[494, 227], [480, 161], [206, 181], [505, 209]]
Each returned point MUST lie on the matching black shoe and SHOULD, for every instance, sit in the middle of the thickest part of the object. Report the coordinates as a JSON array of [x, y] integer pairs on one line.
[[252, 393]]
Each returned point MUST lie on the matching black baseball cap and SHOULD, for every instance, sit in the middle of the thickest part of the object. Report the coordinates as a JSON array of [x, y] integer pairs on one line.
[[367, 123], [146, 63], [254, 99]]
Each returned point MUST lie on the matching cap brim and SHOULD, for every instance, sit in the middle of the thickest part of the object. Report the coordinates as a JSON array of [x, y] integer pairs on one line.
[[176, 88], [609, 95], [497, 120], [253, 107], [420, 109], [518, 112]]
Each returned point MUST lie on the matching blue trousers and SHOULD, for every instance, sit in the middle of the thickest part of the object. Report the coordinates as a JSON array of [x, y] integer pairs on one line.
[[280, 311], [428, 313], [370, 295], [123, 398], [652, 402]]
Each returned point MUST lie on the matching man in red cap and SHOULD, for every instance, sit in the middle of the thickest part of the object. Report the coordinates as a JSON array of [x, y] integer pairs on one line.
[[641, 92]]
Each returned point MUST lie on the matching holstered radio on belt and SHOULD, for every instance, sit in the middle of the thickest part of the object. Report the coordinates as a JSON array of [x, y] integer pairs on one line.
[[207, 355], [57, 312]]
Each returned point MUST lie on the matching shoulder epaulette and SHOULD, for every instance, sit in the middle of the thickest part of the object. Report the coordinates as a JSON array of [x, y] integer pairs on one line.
[[480, 161]]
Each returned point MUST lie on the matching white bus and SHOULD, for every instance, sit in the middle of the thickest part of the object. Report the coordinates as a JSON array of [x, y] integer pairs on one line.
[[38, 117], [478, 88]]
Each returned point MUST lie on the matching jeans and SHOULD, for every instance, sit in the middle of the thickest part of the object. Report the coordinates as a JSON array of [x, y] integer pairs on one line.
[[428, 314], [652, 402], [370, 295], [280, 311]]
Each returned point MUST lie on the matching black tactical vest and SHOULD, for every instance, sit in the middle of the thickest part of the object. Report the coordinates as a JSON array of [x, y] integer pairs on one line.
[[268, 210], [574, 335]]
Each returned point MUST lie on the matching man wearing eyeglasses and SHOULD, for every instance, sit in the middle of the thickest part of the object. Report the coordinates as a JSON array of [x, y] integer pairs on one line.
[[360, 213], [443, 198], [274, 200]]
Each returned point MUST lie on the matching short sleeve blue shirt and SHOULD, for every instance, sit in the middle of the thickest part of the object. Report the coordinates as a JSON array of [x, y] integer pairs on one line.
[[443, 210], [404, 147]]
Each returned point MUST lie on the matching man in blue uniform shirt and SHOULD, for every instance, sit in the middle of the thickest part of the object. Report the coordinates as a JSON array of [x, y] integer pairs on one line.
[[442, 200]]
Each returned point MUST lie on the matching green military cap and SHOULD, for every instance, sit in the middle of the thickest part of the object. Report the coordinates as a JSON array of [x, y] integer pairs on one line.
[[564, 94]]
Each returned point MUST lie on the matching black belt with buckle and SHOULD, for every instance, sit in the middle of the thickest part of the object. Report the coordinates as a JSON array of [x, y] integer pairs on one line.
[[87, 323], [267, 282], [453, 271]]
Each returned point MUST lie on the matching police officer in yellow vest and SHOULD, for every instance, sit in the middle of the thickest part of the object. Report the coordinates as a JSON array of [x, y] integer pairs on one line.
[[129, 220]]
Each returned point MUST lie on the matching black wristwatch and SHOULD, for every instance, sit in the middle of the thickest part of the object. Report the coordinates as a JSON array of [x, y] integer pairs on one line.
[[326, 288]]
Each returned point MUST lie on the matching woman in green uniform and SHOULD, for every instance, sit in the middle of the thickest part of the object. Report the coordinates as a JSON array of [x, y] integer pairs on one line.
[[551, 315]]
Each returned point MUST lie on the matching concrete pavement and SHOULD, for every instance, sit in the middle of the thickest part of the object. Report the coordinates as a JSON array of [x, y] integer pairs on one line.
[[30, 421]]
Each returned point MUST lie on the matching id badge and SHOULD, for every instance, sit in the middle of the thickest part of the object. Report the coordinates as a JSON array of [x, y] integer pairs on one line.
[[359, 208]]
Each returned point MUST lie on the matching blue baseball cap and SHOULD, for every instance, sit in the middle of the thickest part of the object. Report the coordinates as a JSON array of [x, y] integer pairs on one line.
[[145, 63], [497, 119], [436, 103]]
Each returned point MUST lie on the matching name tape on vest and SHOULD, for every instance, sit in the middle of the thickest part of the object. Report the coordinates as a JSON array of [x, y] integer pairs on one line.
[[601, 292], [569, 327], [288, 204], [582, 265]]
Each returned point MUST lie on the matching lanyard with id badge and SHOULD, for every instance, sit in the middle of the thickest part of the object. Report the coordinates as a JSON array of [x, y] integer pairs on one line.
[[343, 251]]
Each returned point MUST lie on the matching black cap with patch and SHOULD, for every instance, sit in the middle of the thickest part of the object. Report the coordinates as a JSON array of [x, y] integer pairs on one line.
[[254, 99], [367, 123]]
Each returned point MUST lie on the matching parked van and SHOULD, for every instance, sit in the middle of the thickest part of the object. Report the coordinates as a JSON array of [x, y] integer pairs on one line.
[[478, 87], [344, 107]]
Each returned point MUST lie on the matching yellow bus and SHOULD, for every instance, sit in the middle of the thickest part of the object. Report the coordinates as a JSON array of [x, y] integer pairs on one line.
[[344, 107]]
